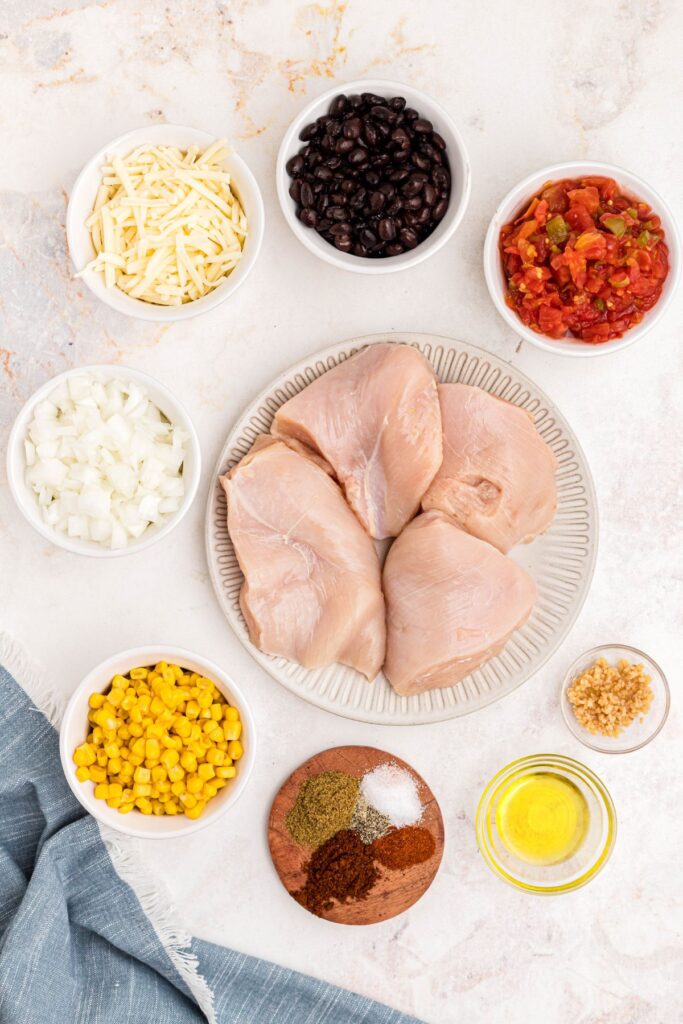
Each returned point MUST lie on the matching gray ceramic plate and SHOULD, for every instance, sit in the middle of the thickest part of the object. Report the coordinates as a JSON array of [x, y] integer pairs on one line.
[[561, 561]]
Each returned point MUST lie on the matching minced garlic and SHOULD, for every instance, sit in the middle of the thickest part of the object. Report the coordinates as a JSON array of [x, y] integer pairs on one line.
[[606, 698]]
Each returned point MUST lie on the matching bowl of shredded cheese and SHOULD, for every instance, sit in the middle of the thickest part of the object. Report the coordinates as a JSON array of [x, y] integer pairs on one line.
[[164, 223]]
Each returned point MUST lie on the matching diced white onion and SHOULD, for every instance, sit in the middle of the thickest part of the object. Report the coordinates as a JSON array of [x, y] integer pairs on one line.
[[103, 461]]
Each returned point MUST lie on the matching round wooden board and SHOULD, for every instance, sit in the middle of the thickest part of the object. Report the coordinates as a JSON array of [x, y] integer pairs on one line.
[[394, 891]]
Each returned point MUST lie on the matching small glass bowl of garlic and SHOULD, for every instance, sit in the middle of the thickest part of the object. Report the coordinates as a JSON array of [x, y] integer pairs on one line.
[[164, 223], [103, 461]]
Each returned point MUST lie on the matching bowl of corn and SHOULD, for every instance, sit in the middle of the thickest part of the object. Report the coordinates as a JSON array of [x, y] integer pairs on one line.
[[157, 742]]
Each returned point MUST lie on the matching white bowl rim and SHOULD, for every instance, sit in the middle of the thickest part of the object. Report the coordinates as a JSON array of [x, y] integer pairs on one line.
[[525, 187], [136, 308], [88, 548], [575, 727], [121, 823], [359, 264]]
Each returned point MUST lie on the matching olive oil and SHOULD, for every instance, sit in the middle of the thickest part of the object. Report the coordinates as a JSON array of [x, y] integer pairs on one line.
[[542, 818]]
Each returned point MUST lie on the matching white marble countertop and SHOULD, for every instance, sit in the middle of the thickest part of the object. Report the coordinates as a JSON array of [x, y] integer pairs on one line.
[[528, 84]]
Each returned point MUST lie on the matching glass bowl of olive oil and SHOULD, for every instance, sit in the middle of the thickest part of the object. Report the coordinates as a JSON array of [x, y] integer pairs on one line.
[[546, 824]]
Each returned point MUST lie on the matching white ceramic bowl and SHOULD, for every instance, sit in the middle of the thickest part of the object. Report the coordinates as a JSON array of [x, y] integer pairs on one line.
[[74, 730], [27, 500], [459, 168], [83, 196], [510, 206]]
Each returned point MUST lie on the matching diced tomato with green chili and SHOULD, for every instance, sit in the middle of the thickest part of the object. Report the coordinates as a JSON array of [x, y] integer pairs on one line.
[[583, 259]]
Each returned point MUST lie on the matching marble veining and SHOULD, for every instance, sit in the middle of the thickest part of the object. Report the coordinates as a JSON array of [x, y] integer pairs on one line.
[[528, 85]]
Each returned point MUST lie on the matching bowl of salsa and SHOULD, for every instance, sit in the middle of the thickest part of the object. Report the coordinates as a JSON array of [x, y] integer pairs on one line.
[[582, 258]]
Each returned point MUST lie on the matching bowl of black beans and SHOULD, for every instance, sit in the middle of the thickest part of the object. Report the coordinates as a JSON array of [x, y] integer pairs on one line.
[[373, 176]]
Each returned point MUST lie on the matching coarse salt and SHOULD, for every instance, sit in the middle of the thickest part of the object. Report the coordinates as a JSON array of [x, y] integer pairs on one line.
[[393, 792]]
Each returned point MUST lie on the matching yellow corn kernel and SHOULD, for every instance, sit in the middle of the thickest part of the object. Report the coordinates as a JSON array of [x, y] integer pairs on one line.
[[158, 773], [231, 714], [135, 729], [216, 712], [102, 791], [135, 714], [158, 808], [138, 673], [169, 758], [215, 734], [124, 733], [144, 702], [178, 787], [138, 746], [143, 804], [223, 745], [182, 725], [188, 761], [153, 792], [235, 750], [114, 765], [114, 801], [142, 789], [153, 750], [215, 756], [136, 758], [206, 771], [115, 789], [209, 790], [98, 774], [217, 784], [188, 801], [171, 807], [155, 731], [176, 773], [164, 786], [142, 774], [205, 698], [82, 773], [198, 748], [192, 709], [196, 810], [84, 755], [173, 742], [226, 771], [126, 808], [195, 732], [96, 700], [127, 769], [157, 706], [112, 749], [232, 730], [102, 758], [194, 784], [115, 696]]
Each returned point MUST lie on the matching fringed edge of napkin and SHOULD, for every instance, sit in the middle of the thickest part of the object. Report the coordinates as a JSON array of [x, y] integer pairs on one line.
[[154, 900]]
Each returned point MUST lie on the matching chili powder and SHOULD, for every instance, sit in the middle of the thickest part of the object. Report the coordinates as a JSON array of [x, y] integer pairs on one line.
[[404, 847], [342, 869]]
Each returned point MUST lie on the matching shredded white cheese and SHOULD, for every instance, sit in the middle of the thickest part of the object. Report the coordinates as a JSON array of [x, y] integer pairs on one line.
[[166, 226]]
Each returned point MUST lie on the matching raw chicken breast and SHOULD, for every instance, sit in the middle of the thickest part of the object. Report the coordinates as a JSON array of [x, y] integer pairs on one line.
[[375, 418], [312, 590], [453, 601], [498, 474]]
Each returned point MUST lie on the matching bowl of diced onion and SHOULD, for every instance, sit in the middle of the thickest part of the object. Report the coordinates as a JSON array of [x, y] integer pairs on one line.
[[164, 223], [103, 461]]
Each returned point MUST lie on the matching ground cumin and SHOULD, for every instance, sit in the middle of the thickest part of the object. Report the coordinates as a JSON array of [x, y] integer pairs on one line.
[[404, 847], [341, 869], [324, 805]]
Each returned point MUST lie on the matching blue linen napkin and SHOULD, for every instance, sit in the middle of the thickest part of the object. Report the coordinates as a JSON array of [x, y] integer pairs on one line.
[[75, 944]]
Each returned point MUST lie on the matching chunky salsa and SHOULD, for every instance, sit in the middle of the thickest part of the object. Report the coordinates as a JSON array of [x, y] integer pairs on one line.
[[584, 259]]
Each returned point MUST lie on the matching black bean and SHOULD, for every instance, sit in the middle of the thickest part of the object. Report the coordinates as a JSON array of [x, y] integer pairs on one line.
[[399, 175], [358, 156], [359, 250], [322, 202], [413, 185], [354, 101], [325, 224], [343, 242], [408, 238], [358, 198], [295, 190], [401, 156], [414, 203], [323, 173], [410, 114], [438, 141], [377, 201], [395, 249], [420, 161], [387, 229], [338, 105], [310, 131], [441, 178], [372, 99], [306, 194], [422, 125], [401, 137], [295, 165], [370, 134], [333, 162], [382, 113], [341, 228], [353, 128], [429, 194], [336, 212], [344, 145], [308, 217], [381, 160], [397, 103], [395, 206], [348, 185], [371, 178], [440, 209], [388, 189]]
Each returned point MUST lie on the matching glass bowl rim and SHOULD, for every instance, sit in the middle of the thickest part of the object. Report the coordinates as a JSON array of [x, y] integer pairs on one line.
[[577, 730], [551, 761]]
